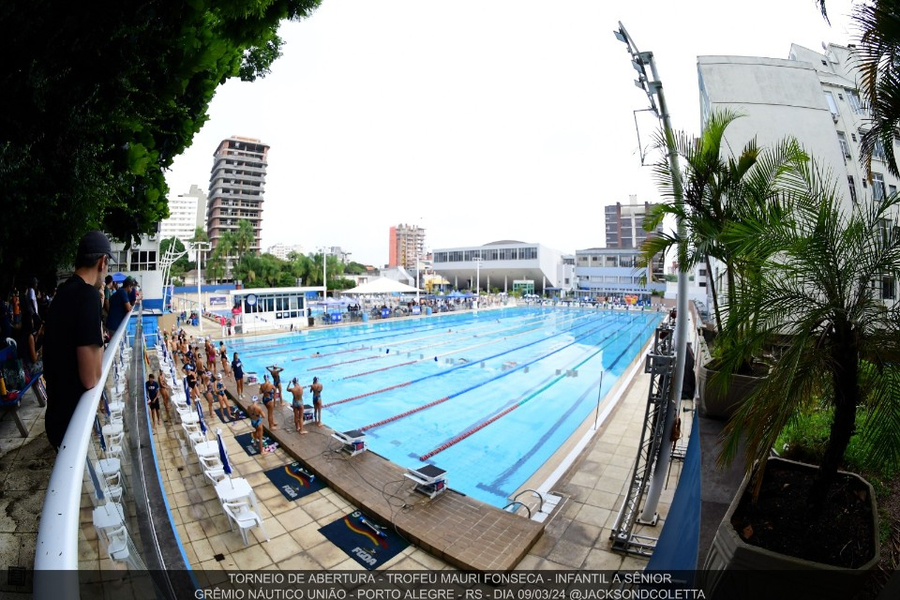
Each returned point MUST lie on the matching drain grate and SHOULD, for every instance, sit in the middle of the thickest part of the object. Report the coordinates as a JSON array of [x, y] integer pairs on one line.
[[16, 576], [219, 557]]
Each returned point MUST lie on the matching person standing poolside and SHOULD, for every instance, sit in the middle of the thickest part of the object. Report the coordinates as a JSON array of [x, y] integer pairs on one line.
[[268, 397], [165, 392], [152, 388], [255, 412], [296, 391], [275, 370], [223, 356], [316, 389], [237, 367], [222, 398], [73, 344]]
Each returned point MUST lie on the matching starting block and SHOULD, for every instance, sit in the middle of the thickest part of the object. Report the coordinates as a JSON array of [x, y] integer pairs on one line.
[[430, 480], [354, 441]]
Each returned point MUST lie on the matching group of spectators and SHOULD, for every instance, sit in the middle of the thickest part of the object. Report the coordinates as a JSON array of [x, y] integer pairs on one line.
[[117, 301], [22, 324]]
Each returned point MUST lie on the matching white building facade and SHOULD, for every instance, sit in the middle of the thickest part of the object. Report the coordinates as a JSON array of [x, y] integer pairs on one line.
[[505, 266], [187, 212], [813, 97]]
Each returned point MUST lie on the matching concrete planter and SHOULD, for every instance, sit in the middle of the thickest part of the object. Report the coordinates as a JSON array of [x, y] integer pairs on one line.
[[719, 403], [735, 569]]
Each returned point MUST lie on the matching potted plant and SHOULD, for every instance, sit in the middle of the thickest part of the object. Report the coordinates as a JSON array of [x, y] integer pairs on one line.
[[821, 290], [716, 192]]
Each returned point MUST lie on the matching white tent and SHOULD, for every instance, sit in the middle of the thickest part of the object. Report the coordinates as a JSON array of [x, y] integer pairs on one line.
[[382, 285]]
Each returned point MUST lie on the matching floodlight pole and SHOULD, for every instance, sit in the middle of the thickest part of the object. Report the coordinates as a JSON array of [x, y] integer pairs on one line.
[[200, 247], [324, 277], [653, 87]]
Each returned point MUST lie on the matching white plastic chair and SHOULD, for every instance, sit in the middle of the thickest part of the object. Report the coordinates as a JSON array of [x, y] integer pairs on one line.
[[114, 488], [115, 447], [118, 546], [245, 518]]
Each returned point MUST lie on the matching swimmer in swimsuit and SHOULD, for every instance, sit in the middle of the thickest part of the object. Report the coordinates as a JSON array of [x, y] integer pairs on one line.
[[297, 404], [275, 370], [255, 412], [268, 396], [316, 389]]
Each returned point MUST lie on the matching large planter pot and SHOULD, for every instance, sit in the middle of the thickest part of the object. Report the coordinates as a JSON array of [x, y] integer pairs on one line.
[[720, 403], [735, 569]]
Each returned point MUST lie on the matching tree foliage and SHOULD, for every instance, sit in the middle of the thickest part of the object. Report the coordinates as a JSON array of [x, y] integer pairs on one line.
[[99, 102], [818, 294]]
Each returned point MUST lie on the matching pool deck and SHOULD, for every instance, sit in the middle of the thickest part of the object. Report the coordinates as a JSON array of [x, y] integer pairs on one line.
[[456, 528]]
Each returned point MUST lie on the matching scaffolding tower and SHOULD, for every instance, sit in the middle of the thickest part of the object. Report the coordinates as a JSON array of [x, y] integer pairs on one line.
[[660, 364]]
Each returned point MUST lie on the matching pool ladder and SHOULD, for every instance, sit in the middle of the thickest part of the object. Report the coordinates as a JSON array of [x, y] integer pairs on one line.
[[515, 503]]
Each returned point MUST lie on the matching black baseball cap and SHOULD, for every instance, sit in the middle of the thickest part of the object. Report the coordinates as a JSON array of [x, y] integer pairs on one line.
[[95, 242]]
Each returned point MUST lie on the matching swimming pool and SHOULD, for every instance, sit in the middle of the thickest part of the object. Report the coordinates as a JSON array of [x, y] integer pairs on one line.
[[487, 396]]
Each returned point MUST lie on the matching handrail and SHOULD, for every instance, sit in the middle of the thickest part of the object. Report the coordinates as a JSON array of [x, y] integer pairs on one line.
[[517, 504], [534, 493], [57, 541]]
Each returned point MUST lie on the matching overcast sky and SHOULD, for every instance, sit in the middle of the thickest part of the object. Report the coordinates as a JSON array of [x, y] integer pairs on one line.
[[479, 120]]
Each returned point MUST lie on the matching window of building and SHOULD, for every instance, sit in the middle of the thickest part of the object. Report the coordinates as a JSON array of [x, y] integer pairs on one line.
[[878, 191], [878, 150], [702, 272], [855, 104], [701, 284], [832, 105], [845, 147], [887, 287], [853, 136], [892, 189]]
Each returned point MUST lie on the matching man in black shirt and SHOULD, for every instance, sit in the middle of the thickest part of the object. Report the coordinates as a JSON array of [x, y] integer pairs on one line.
[[73, 342]]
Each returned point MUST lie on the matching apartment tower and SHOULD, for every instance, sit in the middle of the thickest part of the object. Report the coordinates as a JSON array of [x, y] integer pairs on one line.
[[407, 242], [236, 188], [187, 212]]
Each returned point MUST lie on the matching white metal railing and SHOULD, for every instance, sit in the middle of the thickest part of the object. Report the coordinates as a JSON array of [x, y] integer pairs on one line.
[[57, 540]]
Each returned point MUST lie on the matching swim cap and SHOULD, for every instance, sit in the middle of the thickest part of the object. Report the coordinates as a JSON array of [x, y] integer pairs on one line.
[[219, 376], [265, 377], [255, 398], [315, 380]]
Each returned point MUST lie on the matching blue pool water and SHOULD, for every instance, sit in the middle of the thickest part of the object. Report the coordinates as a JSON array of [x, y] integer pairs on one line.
[[488, 397]]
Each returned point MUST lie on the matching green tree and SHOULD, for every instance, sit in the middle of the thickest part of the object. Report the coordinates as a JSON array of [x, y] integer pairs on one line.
[[99, 102], [717, 190], [244, 238], [814, 294]]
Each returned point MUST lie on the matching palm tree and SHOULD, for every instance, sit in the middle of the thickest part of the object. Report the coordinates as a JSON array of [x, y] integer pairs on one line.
[[840, 342], [876, 54], [716, 190], [877, 50]]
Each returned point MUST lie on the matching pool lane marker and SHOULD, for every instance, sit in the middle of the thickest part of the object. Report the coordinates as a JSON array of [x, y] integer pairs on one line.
[[495, 378], [435, 357], [469, 364], [398, 349], [378, 334], [457, 439]]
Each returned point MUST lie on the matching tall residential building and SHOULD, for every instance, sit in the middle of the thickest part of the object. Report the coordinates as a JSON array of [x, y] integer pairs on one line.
[[236, 188], [187, 212], [812, 97], [406, 243], [625, 224]]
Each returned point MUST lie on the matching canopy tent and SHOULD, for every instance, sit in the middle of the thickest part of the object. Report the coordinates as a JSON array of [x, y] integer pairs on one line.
[[119, 277], [382, 285]]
